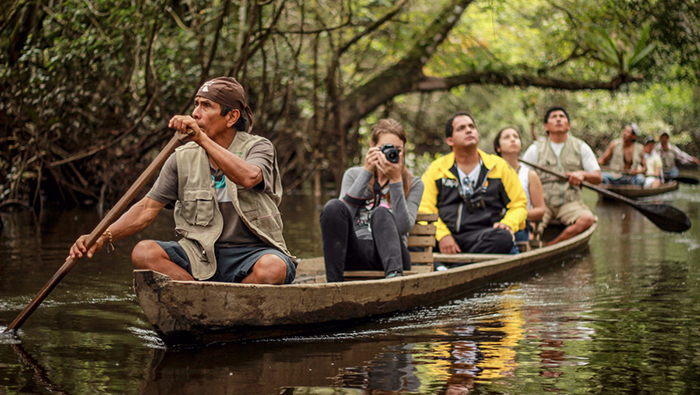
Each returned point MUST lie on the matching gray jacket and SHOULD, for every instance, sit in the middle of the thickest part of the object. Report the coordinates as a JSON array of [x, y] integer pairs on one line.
[[404, 208]]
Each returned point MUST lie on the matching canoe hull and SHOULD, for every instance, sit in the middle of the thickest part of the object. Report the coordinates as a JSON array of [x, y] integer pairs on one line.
[[638, 192], [191, 312]]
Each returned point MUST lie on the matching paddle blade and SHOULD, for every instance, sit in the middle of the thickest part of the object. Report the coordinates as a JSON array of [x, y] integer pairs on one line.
[[686, 180], [666, 217]]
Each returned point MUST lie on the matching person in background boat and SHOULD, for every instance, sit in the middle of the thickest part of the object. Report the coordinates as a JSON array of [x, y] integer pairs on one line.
[[478, 196], [367, 229], [561, 151], [225, 187], [507, 144], [626, 159], [670, 154], [655, 166]]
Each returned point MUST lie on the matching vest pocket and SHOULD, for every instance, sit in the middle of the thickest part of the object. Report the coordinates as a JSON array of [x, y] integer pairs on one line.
[[249, 201], [198, 207], [270, 224], [572, 161]]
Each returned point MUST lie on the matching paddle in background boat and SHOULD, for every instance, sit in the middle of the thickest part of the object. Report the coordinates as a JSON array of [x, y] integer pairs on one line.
[[685, 180], [112, 215], [665, 216]]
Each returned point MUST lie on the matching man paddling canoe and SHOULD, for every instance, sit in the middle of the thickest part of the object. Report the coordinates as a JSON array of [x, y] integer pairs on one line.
[[225, 187], [670, 154], [560, 151]]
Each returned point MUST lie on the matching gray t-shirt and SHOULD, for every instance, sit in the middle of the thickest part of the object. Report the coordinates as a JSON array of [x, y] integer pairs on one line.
[[235, 232], [405, 208]]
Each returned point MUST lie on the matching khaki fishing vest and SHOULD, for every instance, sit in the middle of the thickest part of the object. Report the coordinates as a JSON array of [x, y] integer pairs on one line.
[[197, 215], [555, 191], [617, 161]]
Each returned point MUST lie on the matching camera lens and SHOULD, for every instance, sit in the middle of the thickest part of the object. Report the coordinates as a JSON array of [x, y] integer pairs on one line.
[[390, 152]]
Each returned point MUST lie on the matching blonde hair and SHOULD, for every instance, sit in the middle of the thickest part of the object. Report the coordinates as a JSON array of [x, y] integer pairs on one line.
[[392, 126]]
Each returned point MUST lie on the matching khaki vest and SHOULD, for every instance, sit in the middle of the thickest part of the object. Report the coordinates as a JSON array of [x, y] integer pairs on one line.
[[197, 215], [617, 161], [555, 191]]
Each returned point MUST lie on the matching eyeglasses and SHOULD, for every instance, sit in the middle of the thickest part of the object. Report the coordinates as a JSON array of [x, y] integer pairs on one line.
[[467, 186]]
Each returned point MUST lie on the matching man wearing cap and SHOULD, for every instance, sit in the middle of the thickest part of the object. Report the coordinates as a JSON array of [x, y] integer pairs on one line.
[[625, 158], [561, 152], [655, 175], [225, 188], [669, 154]]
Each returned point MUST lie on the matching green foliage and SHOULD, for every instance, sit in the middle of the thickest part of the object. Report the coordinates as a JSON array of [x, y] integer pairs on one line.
[[87, 87], [597, 117], [616, 54]]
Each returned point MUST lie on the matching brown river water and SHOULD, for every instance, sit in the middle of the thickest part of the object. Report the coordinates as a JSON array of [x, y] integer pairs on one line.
[[623, 317]]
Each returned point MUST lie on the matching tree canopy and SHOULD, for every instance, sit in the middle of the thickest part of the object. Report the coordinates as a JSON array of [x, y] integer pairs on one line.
[[88, 86]]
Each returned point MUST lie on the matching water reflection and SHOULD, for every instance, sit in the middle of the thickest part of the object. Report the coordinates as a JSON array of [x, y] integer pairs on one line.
[[40, 381], [270, 368], [477, 340], [623, 316]]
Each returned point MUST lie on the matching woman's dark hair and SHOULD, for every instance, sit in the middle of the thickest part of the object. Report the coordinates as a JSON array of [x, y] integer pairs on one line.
[[449, 128], [242, 124], [497, 140]]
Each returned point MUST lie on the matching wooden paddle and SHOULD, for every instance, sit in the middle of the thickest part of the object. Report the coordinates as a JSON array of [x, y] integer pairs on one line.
[[688, 179], [111, 216], [665, 216], [685, 180]]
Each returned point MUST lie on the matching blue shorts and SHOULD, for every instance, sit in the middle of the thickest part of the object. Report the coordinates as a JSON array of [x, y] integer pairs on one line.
[[233, 264]]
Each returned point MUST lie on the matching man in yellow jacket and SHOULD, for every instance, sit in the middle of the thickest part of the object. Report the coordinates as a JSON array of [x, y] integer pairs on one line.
[[478, 196]]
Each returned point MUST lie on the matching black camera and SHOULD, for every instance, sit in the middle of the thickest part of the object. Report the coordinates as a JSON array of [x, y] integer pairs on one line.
[[391, 152], [475, 202]]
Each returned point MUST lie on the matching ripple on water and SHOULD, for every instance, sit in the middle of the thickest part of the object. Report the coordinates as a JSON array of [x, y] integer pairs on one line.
[[8, 337], [150, 337], [20, 302]]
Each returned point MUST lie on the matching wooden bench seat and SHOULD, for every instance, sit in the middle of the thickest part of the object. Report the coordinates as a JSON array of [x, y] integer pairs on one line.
[[422, 235]]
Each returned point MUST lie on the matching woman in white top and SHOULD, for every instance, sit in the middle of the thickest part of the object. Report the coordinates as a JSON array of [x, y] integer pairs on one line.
[[507, 144]]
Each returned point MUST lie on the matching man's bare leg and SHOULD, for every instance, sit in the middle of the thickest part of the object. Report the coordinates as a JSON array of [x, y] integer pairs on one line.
[[582, 223], [147, 254], [269, 269]]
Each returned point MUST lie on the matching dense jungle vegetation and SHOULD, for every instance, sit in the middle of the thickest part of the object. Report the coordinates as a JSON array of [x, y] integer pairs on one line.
[[87, 87]]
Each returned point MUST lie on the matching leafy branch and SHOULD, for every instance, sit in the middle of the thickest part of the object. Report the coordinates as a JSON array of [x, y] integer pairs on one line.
[[616, 54]]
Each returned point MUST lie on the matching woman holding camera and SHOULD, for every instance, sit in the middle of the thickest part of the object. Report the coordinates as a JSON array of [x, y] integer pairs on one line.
[[367, 228]]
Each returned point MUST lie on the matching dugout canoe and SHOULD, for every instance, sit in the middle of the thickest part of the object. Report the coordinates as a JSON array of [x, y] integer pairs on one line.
[[195, 312], [638, 191]]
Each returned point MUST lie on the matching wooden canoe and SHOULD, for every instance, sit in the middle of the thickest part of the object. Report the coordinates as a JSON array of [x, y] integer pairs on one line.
[[638, 191], [196, 312]]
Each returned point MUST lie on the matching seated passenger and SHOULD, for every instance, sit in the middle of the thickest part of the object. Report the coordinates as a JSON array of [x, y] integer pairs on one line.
[[367, 229], [626, 162], [478, 196], [507, 145], [560, 151], [670, 154], [655, 166]]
